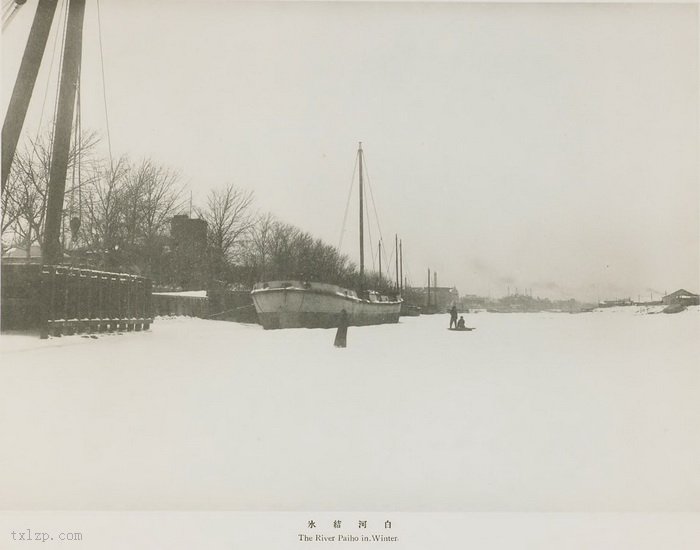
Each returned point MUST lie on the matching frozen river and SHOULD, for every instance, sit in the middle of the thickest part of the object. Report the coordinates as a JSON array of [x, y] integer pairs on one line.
[[529, 412]]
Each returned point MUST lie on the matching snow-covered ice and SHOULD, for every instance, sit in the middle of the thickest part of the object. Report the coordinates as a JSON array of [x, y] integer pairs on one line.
[[530, 412]]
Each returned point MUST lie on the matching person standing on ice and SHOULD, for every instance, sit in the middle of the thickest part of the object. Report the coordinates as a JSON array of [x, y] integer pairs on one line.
[[453, 316], [341, 336]]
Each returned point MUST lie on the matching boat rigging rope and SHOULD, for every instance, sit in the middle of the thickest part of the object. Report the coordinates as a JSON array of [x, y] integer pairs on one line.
[[9, 12], [48, 82], [347, 204], [369, 233], [46, 94], [58, 84], [64, 30], [373, 254], [390, 265], [80, 151], [376, 216], [33, 153], [228, 311], [74, 221], [104, 87], [6, 7]]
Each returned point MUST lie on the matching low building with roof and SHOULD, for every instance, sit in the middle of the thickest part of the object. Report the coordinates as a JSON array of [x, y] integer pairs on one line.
[[681, 297]]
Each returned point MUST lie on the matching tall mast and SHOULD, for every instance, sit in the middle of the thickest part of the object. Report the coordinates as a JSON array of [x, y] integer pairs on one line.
[[428, 287], [24, 85], [380, 263], [401, 264], [362, 236], [70, 71], [396, 251]]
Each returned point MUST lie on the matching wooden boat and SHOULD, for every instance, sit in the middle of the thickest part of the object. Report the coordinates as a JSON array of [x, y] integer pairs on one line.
[[297, 304], [308, 304]]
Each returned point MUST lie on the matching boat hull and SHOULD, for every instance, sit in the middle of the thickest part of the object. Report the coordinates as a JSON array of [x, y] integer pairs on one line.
[[319, 306]]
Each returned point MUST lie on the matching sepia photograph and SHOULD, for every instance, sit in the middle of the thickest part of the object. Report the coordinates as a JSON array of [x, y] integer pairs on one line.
[[288, 273]]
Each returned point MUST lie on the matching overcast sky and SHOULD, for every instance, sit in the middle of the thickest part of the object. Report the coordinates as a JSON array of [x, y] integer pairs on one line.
[[551, 147]]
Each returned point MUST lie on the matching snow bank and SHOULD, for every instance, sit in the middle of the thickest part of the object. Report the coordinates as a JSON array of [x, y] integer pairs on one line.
[[193, 293], [528, 412], [642, 310], [630, 310]]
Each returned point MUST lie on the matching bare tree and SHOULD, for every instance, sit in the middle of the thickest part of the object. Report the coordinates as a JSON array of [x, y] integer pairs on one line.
[[104, 228], [278, 250], [154, 194], [259, 245], [282, 241], [24, 198], [229, 217], [128, 211]]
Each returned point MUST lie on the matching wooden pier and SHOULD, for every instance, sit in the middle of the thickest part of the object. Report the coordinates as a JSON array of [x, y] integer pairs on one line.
[[74, 300]]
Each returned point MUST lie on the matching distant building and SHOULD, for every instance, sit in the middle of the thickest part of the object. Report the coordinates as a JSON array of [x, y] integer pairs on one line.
[[436, 298], [188, 231], [681, 297], [614, 303], [472, 301], [188, 238]]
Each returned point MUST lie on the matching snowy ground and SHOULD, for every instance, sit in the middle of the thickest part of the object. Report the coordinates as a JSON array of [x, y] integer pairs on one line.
[[530, 412]]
